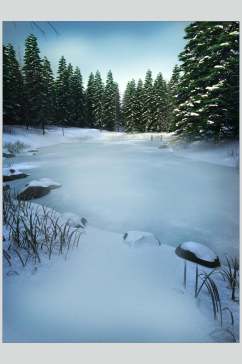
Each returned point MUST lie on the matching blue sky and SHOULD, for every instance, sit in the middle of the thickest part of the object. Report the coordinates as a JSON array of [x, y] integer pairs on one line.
[[127, 48]]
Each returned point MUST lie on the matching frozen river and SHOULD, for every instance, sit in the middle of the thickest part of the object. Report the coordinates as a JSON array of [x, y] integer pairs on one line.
[[120, 186]]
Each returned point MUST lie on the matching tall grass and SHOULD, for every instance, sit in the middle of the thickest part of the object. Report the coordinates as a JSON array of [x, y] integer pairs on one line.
[[35, 231], [230, 273]]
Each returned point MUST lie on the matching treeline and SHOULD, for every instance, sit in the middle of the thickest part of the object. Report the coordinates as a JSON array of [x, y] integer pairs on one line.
[[201, 100]]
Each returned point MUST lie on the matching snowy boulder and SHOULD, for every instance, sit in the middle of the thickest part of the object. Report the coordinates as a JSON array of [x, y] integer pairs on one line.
[[198, 253], [10, 174], [37, 189], [74, 220], [8, 155], [139, 238]]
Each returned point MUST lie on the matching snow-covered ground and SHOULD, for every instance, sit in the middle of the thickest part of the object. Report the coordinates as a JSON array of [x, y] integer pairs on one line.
[[108, 290]]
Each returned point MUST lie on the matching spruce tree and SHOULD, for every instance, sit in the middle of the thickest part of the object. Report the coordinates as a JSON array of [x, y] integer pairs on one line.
[[63, 93], [118, 123], [148, 109], [48, 97], [32, 71], [109, 103], [208, 104], [160, 115], [128, 107], [98, 101], [12, 87], [89, 101], [172, 90], [77, 96], [139, 126]]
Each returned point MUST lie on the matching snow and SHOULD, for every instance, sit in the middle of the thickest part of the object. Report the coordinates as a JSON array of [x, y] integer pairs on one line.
[[11, 171], [199, 250], [72, 219], [43, 182], [105, 291], [139, 238]]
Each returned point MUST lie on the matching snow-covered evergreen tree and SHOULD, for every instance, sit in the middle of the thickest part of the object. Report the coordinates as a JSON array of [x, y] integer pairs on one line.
[[98, 101], [109, 103], [48, 94], [172, 90], [128, 106], [89, 101], [208, 101], [160, 114], [139, 107], [32, 71], [63, 98], [148, 106], [12, 86], [118, 123], [77, 98]]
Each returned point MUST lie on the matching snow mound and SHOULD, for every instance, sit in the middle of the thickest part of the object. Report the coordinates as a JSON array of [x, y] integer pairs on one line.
[[73, 220], [138, 238], [199, 250], [10, 174], [44, 182]]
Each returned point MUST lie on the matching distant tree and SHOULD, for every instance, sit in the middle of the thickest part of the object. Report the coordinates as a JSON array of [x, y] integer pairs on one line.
[[48, 94], [32, 71], [118, 123], [139, 125], [63, 93], [89, 101], [98, 101], [148, 108], [109, 103], [161, 103], [128, 107], [172, 90], [12, 87], [208, 92], [77, 98]]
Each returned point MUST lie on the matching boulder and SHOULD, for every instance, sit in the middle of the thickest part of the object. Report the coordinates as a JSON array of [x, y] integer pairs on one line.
[[8, 155], [198, 253], [139, 238], [37, 189], [10, 174]]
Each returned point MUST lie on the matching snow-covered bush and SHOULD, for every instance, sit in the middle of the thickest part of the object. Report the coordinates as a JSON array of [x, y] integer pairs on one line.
[[15, 147]]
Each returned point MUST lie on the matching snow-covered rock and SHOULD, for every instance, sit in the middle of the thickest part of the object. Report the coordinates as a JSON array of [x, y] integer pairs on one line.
[[10, 174], [138, 238], [37, 189], [198, 253], [8, 155], [73, 220]]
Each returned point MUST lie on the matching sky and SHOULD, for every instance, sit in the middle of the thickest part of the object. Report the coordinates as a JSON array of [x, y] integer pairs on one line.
[[128, 48]]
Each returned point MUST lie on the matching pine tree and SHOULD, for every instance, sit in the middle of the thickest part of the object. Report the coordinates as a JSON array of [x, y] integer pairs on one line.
[[77, 97], [89, 104], [128, 107], [208, 104], [148, 109], [63, 92], [139, 107], [98, 101], [118, 123], [32, 71], [160, 115], [109, 103], [12, 87], [172, 90], [48, 97]]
